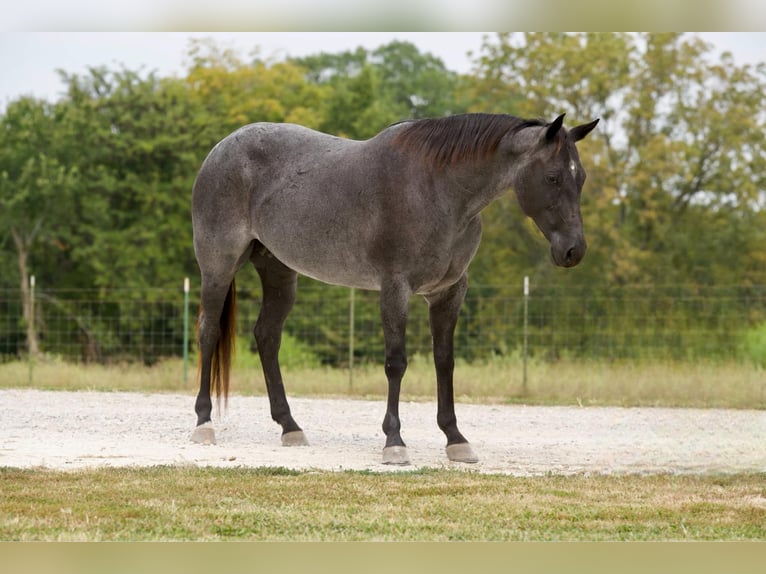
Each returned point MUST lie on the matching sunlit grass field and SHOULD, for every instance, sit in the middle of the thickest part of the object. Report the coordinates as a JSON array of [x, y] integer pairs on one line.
[[171, 503], [564, 382]]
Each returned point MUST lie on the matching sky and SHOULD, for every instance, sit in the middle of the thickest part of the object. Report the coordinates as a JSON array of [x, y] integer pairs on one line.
[[34, 57], [29, 60]]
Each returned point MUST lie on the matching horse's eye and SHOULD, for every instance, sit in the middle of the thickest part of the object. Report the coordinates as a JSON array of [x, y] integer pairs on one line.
[[552, 178]]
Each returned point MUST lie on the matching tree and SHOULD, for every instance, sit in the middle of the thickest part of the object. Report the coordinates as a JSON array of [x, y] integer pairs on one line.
[[230, 92], [680, 137], [138, 154], [95, 188], [35, 192], [368, 90], [695, 152], [418, 85]]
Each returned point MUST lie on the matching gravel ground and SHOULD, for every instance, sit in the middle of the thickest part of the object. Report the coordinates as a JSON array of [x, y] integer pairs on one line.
[[71, 430]]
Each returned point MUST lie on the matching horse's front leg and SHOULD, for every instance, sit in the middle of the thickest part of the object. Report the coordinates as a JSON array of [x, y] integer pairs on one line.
[[444, 308], [394, 300]]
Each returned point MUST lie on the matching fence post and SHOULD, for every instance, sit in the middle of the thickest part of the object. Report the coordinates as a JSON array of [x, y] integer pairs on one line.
[[526, 330], [351, 303], [186, 330], [30, 352]]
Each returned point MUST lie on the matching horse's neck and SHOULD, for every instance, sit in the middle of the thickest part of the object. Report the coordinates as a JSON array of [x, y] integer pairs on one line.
[[477, 186]]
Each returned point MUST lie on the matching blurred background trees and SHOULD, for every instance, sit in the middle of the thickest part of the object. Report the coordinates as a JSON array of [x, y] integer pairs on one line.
[[95, 187]]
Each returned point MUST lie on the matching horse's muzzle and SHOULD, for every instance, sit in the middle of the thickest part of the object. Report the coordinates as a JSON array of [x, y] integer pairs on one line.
[[567, 253]]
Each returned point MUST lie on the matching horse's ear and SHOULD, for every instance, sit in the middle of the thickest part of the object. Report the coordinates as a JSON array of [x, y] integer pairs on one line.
[[579, 132], [554, 127]]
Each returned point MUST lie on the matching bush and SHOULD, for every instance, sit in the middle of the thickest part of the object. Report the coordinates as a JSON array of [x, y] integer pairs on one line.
[[755, 345], [292, 354]]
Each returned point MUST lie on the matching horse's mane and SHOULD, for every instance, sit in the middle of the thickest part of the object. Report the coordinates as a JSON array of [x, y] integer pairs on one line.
[[456, 139]]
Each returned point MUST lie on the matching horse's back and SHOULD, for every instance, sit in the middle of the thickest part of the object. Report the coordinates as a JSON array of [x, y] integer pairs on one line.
[[308, 197], [269, 155]]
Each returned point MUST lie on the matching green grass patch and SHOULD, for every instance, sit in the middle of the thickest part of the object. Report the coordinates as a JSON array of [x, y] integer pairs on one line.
[[563, 382], [272, 504]]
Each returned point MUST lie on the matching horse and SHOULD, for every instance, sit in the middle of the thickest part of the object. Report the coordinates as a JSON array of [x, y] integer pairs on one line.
[[398, 213]]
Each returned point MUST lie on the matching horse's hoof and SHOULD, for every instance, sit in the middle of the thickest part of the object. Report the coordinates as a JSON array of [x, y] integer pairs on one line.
[[294, 438], [461, 452], [396, 455], [204, 434]]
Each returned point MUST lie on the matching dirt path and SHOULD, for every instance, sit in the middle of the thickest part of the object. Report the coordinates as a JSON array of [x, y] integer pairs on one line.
[[64, 430]]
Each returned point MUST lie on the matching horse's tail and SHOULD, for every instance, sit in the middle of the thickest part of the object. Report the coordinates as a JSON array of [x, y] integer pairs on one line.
[[221, 360]]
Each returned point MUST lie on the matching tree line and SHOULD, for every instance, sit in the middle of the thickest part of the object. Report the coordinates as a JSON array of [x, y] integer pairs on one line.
[[95, 186]]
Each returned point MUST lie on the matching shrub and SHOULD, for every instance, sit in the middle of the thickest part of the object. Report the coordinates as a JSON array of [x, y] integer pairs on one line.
[[755, 345], [292, 354]]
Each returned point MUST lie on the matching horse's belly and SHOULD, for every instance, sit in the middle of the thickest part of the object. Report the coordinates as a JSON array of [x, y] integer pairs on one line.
[[355, 280], [334, 266]]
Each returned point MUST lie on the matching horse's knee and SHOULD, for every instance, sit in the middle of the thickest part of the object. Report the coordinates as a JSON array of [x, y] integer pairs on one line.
[[396, 365]]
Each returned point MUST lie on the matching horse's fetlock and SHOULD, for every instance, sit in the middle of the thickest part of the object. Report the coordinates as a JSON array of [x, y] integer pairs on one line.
[[391, 424], [446, 421]]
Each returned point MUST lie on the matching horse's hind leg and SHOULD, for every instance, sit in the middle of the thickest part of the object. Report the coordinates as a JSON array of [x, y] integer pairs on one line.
[[279, 285], [215, 291], [444, 308], [219, 258]]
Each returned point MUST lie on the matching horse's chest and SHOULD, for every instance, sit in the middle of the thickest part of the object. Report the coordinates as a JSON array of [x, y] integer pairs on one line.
[[450, 258]]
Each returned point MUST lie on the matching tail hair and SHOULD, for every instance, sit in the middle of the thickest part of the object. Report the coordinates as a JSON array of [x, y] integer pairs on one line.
[[221, 360]]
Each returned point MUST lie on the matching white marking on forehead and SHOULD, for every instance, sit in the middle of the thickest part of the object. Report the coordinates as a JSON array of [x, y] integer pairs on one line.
[[572, 166]]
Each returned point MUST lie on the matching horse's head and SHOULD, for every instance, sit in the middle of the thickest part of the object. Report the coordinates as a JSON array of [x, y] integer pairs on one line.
[[548, 183]]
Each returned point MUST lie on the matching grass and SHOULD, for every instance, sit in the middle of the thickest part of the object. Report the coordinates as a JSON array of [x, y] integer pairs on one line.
[[187, 503], [565, 382], [182, 503]]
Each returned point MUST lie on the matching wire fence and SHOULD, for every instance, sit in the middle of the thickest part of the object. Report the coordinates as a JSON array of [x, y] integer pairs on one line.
[[337, 326]]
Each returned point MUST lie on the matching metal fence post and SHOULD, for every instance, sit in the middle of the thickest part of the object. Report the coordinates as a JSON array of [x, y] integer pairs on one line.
[[351, 303], [526, 332], [186, 330], [30, 353]]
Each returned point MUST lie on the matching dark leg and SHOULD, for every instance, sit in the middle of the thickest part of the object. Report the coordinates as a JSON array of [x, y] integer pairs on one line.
[[279, 286], [444, 308], [394, 300], [213, 297]]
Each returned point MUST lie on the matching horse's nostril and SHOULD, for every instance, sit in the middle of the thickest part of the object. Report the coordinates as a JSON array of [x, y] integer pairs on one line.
[[570, 256]]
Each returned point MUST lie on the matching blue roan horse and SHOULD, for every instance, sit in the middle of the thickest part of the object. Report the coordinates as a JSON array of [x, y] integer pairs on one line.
[[398, 213]]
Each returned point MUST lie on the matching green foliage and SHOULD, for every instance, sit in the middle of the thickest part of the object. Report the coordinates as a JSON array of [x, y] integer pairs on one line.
[[36, 187], [366, 91], [755, 345], [131, 213], [293, 354], [678, 150], [94, 188]]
